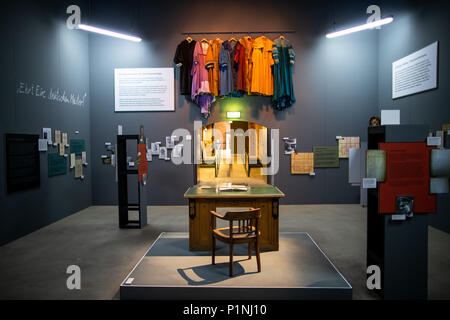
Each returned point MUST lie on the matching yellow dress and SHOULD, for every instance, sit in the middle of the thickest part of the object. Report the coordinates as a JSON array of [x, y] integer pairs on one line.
[[262, 62], [212, 64]]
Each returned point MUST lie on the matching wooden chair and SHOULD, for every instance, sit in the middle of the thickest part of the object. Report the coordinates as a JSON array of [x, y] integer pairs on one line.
[[246, 231]]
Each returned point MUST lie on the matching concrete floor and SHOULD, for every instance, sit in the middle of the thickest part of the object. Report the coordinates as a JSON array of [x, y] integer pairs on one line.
[[34, 267]]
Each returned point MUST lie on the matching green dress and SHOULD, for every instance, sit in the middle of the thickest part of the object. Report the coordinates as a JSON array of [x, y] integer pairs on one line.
[[283, 91]]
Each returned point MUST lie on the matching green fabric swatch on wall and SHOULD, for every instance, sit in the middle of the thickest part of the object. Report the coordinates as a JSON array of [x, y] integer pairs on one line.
[[326, 156], [57, 165], [376, 165], [77, 146]]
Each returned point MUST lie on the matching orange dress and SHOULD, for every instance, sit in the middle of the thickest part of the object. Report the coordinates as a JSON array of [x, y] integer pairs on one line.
[[212, 64], [262, 62]]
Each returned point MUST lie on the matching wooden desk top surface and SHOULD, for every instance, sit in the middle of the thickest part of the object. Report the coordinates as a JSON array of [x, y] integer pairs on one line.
[[267, 191]]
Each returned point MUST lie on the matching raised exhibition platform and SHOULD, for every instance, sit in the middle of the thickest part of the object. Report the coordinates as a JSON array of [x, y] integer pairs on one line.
[[299, 270]]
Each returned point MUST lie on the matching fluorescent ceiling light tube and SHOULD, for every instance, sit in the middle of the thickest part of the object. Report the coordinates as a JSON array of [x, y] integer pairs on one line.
[[361, 27], [108, 33]]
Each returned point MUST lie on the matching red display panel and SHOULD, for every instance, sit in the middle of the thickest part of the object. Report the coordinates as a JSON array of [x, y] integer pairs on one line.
[[407, 174]]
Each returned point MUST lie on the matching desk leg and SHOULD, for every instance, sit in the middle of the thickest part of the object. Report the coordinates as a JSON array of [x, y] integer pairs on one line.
[[200, 224], [269, 223], [275, 222]]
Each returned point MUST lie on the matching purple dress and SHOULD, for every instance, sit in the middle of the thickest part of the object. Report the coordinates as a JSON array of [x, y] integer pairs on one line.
[[200, 86]]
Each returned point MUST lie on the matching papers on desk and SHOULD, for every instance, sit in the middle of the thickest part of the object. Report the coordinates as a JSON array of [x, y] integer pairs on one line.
[[233, 187]]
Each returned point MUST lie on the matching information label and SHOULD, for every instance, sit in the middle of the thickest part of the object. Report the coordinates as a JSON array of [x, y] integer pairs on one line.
[[416, 72], [144, 89]]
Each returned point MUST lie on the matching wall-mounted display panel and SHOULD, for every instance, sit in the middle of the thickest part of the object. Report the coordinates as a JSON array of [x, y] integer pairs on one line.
[[415, 73], [346, 143], [77, 146], [376, 165], [22, 162], [302, 163], [326, 156], [57, 165], [144, 89], [407, 174]]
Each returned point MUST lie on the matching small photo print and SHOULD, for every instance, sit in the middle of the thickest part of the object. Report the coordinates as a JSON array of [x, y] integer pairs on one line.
[[155, 148], [405, 205], [170, 142], [177, 151], [290, 145], [162, 153]]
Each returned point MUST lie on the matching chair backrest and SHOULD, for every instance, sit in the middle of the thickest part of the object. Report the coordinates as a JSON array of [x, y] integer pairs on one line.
[[247, 221]]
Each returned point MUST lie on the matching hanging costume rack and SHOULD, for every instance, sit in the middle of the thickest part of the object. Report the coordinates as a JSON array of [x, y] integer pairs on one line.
[[237, 32]]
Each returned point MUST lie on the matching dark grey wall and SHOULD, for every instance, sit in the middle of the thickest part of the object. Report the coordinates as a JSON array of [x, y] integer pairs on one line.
[[418, 24], [339, 84], [335, 84], [38, 48]]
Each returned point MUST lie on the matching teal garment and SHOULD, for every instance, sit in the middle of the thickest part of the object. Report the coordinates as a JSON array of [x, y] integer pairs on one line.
[[284, 58]]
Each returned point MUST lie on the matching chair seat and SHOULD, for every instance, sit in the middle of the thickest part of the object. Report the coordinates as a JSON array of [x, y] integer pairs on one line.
[[224, 233]]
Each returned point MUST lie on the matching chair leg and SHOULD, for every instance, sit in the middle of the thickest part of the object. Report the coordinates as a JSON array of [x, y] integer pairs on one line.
[[231, 259], [249, 250], [258, 258], [213, 250]]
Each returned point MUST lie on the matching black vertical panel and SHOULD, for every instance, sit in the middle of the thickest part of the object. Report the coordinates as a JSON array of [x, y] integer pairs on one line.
[[22, 162], [399, 248]]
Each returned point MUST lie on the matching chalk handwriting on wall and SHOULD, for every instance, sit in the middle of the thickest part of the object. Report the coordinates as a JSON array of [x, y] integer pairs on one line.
[[57, 95]]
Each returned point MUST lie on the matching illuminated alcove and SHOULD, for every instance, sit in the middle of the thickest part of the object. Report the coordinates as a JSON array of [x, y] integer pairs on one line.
[[232, 151]]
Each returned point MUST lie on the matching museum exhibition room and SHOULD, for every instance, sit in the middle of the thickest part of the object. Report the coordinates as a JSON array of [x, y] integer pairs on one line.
[[193, 151]]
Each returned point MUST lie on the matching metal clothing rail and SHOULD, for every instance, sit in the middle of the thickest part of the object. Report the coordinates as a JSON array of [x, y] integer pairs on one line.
[[237, 32]]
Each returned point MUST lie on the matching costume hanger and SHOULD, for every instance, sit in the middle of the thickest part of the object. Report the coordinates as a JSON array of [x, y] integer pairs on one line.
[[189, 39], [204, 40], [232, 37]]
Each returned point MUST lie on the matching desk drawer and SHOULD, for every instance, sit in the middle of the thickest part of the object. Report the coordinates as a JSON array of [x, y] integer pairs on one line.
[[243, 203]]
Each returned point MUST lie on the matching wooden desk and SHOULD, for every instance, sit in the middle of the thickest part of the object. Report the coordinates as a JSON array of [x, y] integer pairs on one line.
[[202, 201]]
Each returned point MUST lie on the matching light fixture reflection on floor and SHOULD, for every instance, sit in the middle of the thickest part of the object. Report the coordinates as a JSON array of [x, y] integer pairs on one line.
[[108, 33], [360, 28]]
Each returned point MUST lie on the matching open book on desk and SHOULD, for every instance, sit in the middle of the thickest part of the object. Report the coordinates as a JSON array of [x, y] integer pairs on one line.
[[233, 187]]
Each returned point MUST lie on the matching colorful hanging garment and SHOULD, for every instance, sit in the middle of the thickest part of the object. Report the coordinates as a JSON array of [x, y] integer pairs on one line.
[[239, 60], [212, 64], [183, 58], [245, 68], [228, 69], [284, 58], [262, 77], [200, 85]]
